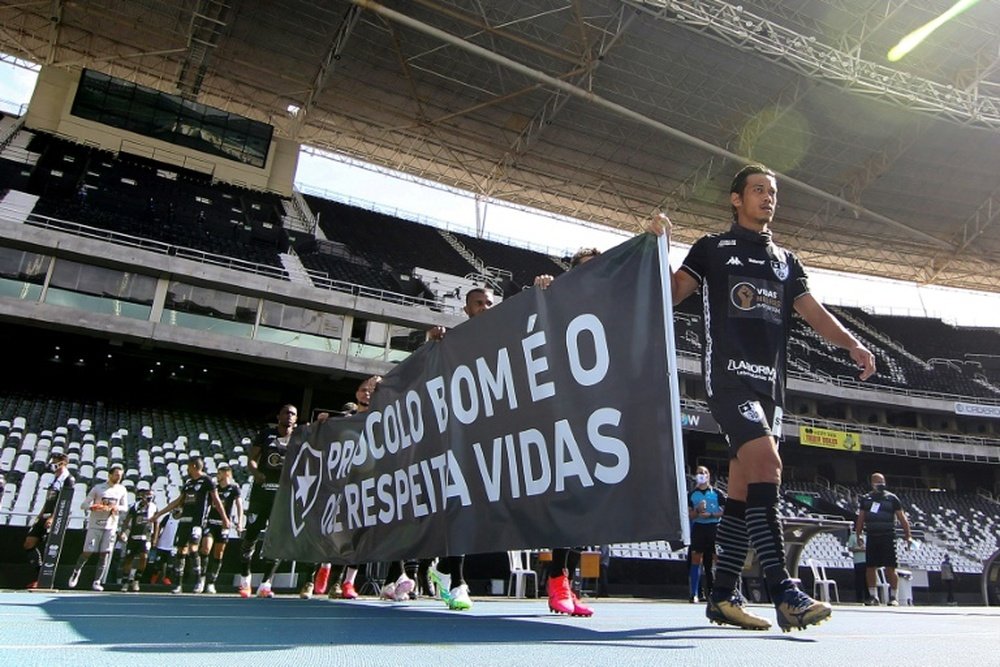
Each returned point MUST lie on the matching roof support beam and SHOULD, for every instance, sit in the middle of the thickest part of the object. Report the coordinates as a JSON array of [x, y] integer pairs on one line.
[[732, 25], [635, 116]]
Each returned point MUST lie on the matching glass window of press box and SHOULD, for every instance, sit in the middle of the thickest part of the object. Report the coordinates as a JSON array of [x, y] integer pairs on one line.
[[101, 290], [22, 273], [207, 309], [300, 327], [171, 118]]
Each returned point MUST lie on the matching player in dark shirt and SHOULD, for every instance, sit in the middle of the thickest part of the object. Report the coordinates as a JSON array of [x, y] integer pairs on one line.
[[750, 288], [138, 531], [267, 457], [213, 542], [877, 515], [39, 531], [196, 494]]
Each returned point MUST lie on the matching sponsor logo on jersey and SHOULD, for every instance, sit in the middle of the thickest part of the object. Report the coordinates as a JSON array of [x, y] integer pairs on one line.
[[747, 296], [752, 411], [726, 242], [306, 475], [276, 459], [743, 368], [734, 261], [755, 261], [780, 269]]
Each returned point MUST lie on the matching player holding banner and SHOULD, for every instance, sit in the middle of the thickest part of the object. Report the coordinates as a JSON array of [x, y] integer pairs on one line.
[[750, 288]]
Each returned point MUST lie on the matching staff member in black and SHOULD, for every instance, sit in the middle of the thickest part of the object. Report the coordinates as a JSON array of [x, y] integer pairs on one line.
[[267, 457], [39, 531], [750, 287], [877, 515]]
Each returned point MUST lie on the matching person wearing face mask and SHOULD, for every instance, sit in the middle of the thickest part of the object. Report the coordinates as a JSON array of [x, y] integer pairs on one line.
[[39, 531], [877, 516], [705, 509]]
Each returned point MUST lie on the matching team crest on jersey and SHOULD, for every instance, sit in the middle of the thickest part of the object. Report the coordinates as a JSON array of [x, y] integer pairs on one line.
[[780, 269], [752, 411], [306, 475]]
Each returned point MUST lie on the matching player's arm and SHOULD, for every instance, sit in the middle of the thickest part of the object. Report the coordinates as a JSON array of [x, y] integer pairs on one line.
[[176, 502], [258, 476], [121, 506], [240, 516], [217, 504], [905, 523], [859, 525], [91, 500], [829, 327]]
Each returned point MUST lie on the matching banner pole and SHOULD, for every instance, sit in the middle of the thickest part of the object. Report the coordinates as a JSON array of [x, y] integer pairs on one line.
[[674, 384]]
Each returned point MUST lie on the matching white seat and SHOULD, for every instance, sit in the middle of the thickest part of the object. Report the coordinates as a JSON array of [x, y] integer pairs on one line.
[[883, 585], [520, 573], [822, 585]]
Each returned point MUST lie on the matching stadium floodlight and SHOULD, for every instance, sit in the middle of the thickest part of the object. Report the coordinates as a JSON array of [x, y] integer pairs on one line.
[[914, 39]]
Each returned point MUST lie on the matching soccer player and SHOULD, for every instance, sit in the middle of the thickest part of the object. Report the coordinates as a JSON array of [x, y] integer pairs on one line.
[[213, 542], [105, 502], [267, 456], [138, 532], [196, 494], [750, 288], [39, 531]]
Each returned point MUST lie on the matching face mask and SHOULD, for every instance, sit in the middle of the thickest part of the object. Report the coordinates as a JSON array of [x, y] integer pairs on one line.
[[53, 467], [701, 478], [880, 488]]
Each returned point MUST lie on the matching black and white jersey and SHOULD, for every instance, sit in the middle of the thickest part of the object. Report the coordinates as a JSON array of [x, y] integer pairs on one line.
[[228, 495], [139, 520], [197, 493], [272, 456], [880, 509], [749, 287], [65, 480]]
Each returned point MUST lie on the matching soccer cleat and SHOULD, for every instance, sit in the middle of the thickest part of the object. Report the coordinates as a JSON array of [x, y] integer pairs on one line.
[[176, 590], [893, 602], [74, 579], [732, 611], [388, 592], [458, 598], [694, 599], [440, 582], [166, 581], [560, 596], [125, 587], [872, 601], [244, 589], [133, 586], [264, 590], [347, 591], [96, 586], [200, 586], [154, 578], [210, 589], [580, 609], [404, 585], [797, 611], [306, 592]]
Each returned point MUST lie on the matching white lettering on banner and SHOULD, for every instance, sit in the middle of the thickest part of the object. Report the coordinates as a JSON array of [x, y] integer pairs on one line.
[[496, 385], [608, 445], [465, 414], [589, 323], [536, 365]]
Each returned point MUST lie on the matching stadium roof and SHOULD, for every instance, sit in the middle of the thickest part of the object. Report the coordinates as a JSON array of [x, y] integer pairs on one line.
[[605, 109]]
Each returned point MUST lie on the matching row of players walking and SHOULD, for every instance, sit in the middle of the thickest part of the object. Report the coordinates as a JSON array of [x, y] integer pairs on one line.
[[750, 289]]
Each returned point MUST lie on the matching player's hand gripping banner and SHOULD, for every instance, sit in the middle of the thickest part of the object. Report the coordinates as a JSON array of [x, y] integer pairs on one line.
[[542, 422]]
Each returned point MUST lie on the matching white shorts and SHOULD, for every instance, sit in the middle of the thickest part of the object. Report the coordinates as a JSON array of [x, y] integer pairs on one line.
[[98, 540]]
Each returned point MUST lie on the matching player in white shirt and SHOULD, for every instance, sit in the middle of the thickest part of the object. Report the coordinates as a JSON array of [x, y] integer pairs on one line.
[[104, 502]]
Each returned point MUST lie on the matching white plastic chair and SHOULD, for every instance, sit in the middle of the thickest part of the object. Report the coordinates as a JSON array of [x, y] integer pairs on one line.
[[520, 573], [883, 585], [821, 584]]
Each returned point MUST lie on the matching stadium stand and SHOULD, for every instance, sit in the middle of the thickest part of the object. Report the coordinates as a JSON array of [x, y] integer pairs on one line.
[[521, 264]]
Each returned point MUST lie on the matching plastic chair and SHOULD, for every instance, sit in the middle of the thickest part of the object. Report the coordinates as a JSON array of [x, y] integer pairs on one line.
[[520, 573], [883, 585], [821, 584]]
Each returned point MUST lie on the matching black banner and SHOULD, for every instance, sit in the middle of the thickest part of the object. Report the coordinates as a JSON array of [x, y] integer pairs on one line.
[[54, 542], [544, 421]]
